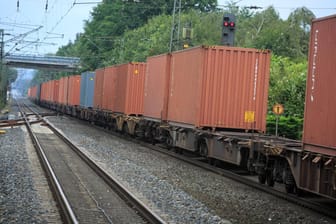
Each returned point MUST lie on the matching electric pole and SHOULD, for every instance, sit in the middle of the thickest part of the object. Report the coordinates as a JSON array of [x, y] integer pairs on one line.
[[175, 29], [2, 91]]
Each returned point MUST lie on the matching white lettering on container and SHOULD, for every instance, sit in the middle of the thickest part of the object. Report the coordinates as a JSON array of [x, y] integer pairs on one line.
[[313, 76], [255, 79]]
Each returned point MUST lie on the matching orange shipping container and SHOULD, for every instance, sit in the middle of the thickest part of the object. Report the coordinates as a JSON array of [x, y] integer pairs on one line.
[[98, 88], [63, 90], [130, 80], [319, 133], [219, 87], [50, 90], [55, 90], [29, 92], [157, 87], [43, 91], [74, 90], [109, 87]]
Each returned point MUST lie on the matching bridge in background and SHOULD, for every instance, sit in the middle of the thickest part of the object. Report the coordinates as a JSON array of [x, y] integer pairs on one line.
[[42, 62]]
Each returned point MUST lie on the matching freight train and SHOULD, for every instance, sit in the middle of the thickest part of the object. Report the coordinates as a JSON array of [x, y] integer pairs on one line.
[[213, 101]]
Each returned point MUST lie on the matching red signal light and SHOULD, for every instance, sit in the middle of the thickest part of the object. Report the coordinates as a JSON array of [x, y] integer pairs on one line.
[[226, 24], [232, 24]]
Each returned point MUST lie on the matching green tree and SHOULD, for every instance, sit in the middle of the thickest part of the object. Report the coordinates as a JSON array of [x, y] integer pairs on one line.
[[287, 87]]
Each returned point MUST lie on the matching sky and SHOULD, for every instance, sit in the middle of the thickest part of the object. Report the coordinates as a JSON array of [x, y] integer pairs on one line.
[[38, 27]]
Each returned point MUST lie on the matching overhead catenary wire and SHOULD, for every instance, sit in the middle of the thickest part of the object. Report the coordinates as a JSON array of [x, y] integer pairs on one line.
[[142, 4]]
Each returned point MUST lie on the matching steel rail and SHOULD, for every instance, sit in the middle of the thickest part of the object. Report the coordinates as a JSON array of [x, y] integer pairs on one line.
[[144, 210], [236, 177], [67, 213], [316, 207], [118, 187]]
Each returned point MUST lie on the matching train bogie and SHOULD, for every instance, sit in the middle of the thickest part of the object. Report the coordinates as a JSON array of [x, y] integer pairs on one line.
[[319, 143]]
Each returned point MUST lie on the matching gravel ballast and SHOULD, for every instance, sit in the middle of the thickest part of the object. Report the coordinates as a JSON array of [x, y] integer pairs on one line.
[[24, 193], [181, 193]]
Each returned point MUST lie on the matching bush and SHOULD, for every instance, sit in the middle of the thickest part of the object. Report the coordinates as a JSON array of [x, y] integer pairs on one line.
[[289, 127]]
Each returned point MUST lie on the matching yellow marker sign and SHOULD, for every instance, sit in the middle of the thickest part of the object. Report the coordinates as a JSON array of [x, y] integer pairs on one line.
[[278, 109], [249, 116]]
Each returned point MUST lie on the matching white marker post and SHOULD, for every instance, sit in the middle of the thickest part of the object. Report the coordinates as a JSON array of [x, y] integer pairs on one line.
[[278, 109]]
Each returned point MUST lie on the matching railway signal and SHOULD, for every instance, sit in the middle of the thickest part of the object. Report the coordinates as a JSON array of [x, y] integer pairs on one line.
[[229, 25]]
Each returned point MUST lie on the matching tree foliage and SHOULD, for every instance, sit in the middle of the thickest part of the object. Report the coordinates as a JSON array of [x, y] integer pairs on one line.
[[7, 76]]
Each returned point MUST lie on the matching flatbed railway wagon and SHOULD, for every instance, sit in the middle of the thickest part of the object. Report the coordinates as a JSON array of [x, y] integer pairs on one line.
[[210, 100], [311, 166]]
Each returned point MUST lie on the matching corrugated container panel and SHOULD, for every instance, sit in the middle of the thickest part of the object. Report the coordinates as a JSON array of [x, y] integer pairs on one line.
[[29, 92], [38, 91], [135, 88], [48, 91], [74, 90], [98, 88], [157, 87], [130, 88], [43, 91], [52, 92], [109, 88], [63, 90], [55, 90], [219, 87], [87, 89], [121, 87], [32, 92], [320, 108]]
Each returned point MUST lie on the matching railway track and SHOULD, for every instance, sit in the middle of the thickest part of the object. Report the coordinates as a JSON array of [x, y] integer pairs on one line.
[[310, 203], [84, 192], [314, 203]]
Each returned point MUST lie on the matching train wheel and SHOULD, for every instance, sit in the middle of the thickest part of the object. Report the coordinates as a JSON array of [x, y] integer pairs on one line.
[[114, 126], [262, 178], [289, 182], [169, 142], [289, 188], [137, 131], [270, 179], [125, 129], [203, 148]]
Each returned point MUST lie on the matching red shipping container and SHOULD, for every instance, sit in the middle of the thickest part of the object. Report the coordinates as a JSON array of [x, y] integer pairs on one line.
[[219, 87], [55, 90], [109, 87], [130, 80], [43, 91], [74, 90], [63, 90], [98, 88], [320, 108], [157, 87], [29, 94], [47, 91], [34, 92]]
